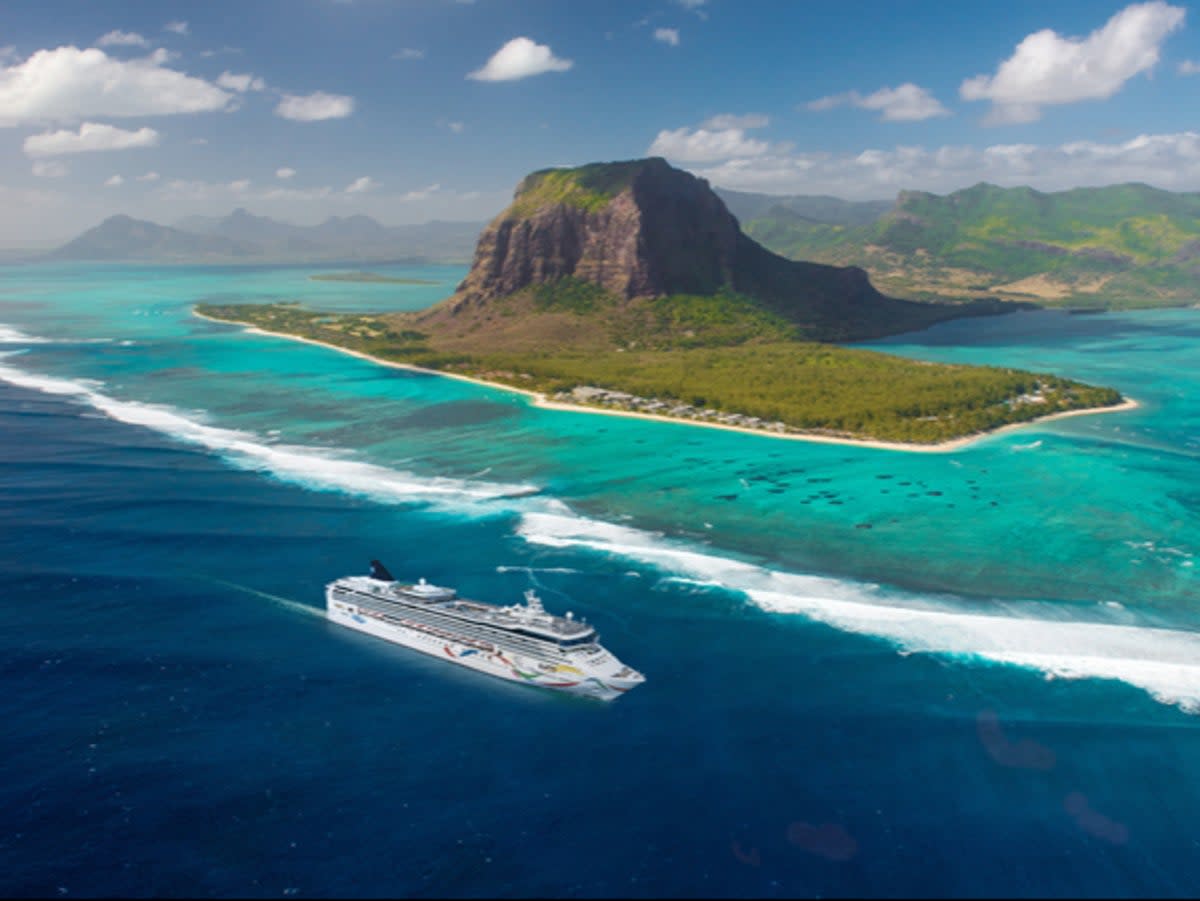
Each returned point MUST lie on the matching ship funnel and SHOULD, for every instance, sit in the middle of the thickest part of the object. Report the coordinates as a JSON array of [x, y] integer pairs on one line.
[[380, 572]]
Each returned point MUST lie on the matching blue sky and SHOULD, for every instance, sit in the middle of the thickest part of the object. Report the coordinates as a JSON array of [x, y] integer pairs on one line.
[[416, 109]]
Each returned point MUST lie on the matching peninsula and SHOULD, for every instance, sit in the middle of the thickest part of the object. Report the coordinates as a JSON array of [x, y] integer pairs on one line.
[[629, 287]]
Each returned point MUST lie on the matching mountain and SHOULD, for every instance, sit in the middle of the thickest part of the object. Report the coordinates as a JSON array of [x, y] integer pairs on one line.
[[818, 208], [244, 237], [640, 231], [630, 286], [125, 238], [1117, 246]]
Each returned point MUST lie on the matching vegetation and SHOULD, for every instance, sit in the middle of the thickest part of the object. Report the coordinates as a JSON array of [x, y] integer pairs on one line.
[[706, 352], [371, 277], [589, 187], [1117, 247]]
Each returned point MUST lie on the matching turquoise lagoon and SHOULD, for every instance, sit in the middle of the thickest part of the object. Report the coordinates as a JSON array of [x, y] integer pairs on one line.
[[867, 616]]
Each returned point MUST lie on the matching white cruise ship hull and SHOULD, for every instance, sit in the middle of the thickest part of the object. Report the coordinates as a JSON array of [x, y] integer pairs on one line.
[[566, 676]]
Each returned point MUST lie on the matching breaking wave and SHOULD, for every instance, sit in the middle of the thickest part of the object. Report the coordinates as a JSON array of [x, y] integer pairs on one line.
[[12, 335], [312, 467], [1163, 662]]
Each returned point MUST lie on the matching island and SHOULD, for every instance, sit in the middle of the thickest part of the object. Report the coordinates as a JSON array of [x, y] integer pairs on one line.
[[629, 288], [368, 277]]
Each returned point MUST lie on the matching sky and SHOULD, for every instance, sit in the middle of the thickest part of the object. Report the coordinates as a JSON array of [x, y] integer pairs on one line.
[[412, 110]]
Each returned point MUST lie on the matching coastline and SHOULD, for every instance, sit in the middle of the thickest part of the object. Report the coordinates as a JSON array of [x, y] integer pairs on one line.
[[540, 400]]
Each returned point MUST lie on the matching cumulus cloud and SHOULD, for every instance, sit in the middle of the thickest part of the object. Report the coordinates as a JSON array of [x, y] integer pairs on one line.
[[240, 83], [1170, 161], [703, 145], [361, 185], [1047, 69], [408, 53], [49, 169], [176, 27], [905, 103], [420, 193], [520, 58], [148, 176], [285, 172], [114, 181], [1189, 67], [69, 84], [314, 107], [668, 36], [122, 39], [92, 136], [730, 120]]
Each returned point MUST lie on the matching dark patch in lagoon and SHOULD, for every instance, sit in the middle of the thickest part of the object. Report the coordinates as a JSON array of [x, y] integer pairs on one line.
[[455, 414]]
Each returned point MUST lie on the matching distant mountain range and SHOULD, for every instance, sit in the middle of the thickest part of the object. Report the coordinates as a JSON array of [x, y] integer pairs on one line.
[[244, 237], [1112, 247]]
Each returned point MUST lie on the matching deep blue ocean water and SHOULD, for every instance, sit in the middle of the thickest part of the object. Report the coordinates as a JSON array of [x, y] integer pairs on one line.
[[989, 691]]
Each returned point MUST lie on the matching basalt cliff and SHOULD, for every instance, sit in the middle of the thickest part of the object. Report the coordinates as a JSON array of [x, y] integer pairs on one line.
[[642, 230]]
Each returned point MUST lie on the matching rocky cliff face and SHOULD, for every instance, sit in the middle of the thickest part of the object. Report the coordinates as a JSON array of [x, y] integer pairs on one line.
[[663, 232], [643, 229]]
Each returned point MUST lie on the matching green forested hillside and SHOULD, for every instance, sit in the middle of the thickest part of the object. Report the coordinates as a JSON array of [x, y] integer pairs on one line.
[[1120, 246]]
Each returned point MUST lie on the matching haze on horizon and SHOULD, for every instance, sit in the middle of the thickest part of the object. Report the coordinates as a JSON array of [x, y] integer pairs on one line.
[[411, 110]]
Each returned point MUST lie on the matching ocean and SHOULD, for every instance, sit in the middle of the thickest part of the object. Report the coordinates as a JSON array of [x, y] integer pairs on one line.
[[868, 671]]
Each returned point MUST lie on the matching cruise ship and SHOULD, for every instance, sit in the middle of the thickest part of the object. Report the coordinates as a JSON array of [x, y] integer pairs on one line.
[[522, 642]]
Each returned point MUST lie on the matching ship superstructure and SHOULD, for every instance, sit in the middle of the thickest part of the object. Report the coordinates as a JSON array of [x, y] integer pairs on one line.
[[520, 642]]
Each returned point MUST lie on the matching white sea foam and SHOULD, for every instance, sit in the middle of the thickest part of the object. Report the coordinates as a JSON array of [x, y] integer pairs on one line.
[[313, 467], [1163, 662], [12, 335]]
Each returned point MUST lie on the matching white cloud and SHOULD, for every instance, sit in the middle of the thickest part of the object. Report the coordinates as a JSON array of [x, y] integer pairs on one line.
[[149, 177], [69, 84], [176, 27], [408, 53], [905, 103], [242, 184], [1189, 67], [315, 107], [49, 169], [361, 185], [1047, 69], [667, 36], [456, 127], [730, 120], [8, 53], [703, 145], [205, 54], [691, 4], [520, 58], [114, 181], [240, 83], [285, 172], [420, 193], [92, 136], [1170, 161], [122, 39]]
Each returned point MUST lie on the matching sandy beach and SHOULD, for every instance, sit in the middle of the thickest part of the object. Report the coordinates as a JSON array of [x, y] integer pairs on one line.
[[540, 400]]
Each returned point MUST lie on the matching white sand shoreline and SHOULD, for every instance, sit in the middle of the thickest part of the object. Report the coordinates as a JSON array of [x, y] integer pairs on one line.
[[540, 400]]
